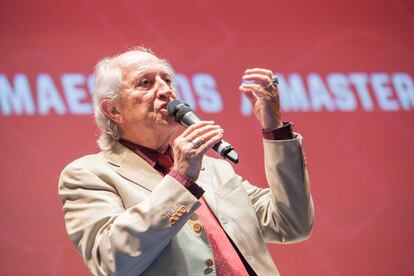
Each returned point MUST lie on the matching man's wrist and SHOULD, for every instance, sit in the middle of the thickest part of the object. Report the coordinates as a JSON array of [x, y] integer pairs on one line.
[[285, 132], [188, 183]]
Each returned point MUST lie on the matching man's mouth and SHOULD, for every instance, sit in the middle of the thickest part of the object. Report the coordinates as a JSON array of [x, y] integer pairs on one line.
[[163, 108]]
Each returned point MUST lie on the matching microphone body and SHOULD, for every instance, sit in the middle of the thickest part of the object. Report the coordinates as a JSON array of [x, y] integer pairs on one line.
[[184, 115]]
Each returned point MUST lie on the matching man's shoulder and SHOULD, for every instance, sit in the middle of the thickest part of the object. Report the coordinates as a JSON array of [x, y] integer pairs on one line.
[[87, 160], [86, 170], [92, 163]]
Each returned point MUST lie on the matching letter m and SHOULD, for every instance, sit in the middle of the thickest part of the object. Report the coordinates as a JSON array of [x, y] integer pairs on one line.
[[17, 99], [293, 94]]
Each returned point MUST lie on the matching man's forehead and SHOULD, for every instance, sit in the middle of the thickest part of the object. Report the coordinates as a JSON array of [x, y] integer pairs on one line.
[[132, 57], [140, 62]]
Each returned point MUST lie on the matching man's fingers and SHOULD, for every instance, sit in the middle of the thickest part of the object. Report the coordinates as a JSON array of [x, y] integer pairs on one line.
[[209, 135], [195, 126], [258, 78], [210, 143], [262, 71], [251, 86], [198, 132], [249, 94], [257, 89], [205, 139]]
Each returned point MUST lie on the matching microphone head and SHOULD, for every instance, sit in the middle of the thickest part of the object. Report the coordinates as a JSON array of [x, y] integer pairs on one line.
[[177, 109], [172, 105]]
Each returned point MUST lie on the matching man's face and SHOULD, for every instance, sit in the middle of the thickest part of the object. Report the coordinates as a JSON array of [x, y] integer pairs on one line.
[[147, 90]]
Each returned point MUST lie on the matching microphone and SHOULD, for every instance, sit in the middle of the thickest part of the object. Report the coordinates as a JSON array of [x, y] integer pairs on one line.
[[184, 115]]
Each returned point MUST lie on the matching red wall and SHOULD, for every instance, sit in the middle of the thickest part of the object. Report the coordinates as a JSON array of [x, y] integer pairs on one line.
[[347, 71]]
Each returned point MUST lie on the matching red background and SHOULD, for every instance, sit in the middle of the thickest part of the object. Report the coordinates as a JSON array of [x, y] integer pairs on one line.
[[360, 162]]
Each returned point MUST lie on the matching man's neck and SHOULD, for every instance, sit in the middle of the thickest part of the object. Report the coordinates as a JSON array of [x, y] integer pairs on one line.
[[152, 140]]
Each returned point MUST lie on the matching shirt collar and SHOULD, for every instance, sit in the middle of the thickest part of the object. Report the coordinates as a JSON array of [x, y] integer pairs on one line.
[[149, 155]]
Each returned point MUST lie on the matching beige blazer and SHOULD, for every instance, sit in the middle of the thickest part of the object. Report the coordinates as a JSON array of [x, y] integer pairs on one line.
[[126, 219]]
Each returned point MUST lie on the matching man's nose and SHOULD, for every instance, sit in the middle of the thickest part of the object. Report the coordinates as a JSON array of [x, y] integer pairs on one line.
[[164, 89]]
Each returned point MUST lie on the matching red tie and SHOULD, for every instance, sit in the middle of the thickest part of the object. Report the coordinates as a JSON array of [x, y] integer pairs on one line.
[[226, 259], [164, 163]]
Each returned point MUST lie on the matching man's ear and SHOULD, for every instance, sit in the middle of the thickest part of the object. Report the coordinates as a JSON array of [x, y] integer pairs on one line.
[[110, 109]]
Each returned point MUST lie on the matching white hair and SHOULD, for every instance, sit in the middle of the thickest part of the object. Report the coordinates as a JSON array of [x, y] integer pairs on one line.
[[109, 81]]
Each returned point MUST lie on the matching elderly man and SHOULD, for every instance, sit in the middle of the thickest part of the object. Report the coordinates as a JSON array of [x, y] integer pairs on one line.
[[154, 205]]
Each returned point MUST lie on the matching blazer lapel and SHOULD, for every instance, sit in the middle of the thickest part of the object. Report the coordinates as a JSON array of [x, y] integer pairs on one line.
[[208, 183], [217, 184], [132, 167]]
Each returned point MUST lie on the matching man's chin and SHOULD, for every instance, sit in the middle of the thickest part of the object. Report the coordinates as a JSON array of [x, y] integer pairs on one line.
[[167, 120], [173, 124]]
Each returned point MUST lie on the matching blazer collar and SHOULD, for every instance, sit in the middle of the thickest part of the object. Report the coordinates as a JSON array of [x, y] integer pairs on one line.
[[133, 167]]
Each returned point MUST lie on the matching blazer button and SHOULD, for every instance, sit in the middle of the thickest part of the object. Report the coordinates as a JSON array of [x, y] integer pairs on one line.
[[197, 227], [209, 262], [172, 220], [183, 208]]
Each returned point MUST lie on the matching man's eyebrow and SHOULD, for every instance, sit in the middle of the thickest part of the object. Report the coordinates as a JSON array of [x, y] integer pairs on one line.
[[148, 70], [166, 73], [139, 74]]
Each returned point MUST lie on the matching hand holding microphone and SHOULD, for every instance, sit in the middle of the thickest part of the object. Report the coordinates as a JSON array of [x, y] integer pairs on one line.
[[196, 140], [192, 144], [183, 114]]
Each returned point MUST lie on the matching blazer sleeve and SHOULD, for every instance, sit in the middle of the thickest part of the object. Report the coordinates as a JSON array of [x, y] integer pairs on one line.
[[284, 210], [110, 238]]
